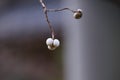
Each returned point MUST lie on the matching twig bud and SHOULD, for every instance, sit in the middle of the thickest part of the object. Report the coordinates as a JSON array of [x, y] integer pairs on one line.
[[77, 14]]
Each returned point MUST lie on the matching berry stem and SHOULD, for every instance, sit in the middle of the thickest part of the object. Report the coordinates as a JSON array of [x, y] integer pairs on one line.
[[47, 19], [53, 10], [56, 10]]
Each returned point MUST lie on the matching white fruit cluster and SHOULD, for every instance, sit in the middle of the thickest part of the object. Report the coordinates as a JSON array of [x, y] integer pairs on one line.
[[77, 14], [52, 43]]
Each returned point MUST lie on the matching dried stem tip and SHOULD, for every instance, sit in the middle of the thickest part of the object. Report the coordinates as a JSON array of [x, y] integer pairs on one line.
[[77, 14]]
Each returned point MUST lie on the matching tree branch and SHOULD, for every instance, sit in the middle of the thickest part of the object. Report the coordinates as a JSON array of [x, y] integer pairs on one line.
[[46, 15], [56, 10], [79, 14]]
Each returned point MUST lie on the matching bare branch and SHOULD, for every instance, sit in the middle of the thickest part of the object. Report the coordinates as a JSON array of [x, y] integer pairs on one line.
[[46, 15], [56, 10]]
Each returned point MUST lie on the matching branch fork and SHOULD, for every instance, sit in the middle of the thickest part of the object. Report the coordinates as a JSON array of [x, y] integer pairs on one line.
[[76, 14]]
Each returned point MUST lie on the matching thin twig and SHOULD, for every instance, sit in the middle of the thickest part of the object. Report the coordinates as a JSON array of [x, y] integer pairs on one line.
[[46, 15], [52, 10], [56, 10]]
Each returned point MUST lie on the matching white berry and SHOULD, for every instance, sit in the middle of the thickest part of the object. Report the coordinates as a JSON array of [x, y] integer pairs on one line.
[[52, 43], [51, 47], [49, 41], [56, 42]]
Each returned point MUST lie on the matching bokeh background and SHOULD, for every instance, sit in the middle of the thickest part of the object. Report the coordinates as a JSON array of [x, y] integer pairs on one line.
[[24, 30], [23, 33]]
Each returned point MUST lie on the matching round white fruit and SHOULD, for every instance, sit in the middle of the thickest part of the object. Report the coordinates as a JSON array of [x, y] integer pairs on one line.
[[56, 42], [49, 41]]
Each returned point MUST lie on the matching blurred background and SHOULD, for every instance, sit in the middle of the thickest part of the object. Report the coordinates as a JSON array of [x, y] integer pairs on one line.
[[23, 33], [24, 30]]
